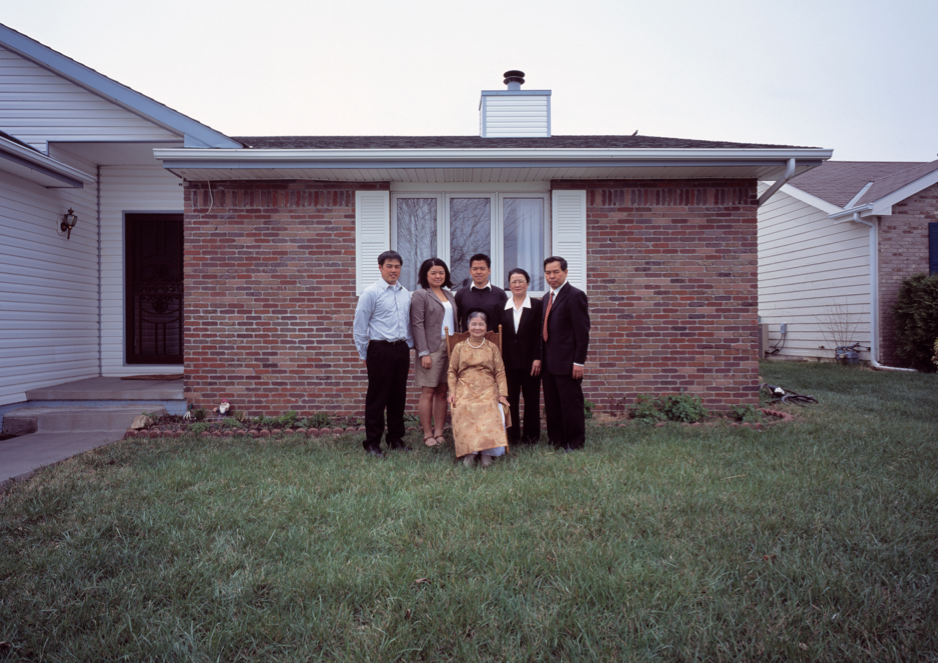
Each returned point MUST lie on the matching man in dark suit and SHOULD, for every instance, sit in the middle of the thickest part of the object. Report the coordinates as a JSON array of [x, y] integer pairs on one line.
[[565, 330], [481, 295], [521, 351]]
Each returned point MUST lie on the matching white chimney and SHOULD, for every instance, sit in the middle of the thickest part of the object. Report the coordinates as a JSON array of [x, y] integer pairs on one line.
[[514, 112]]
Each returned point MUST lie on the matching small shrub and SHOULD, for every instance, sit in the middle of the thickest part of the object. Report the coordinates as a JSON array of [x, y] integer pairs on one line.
[[684, 408], [647, 410], [676, 407], [916, 319], [199, 428], [199, 414], [745, 413], [237, 415], [317, 420], [588, 407], [288, 418]]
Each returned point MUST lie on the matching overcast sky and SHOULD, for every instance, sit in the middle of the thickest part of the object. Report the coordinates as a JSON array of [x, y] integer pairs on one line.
[[857, 76]]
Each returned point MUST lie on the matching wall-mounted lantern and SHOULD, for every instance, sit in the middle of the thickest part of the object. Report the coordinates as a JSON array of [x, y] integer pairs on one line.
[[69, 221]]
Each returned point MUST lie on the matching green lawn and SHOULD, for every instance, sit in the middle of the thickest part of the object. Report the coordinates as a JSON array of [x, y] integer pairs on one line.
[[811, 540]]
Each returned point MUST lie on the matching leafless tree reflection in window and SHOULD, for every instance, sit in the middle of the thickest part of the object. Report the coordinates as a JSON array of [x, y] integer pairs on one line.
[[524, 238], [470, 233], [416, 236]]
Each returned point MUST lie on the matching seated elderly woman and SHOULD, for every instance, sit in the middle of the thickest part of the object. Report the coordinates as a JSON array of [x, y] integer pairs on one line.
[[478, 394]]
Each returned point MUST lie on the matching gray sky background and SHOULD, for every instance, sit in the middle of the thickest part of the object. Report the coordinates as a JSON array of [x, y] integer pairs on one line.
[[856, 76]]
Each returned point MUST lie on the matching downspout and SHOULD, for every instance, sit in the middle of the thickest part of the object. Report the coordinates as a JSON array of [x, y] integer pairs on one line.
[[100, 303], [779, 183], [874, 295]]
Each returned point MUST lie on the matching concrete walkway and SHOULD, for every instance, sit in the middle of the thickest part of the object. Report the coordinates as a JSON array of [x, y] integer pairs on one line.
[[65, 420], [20, 457]]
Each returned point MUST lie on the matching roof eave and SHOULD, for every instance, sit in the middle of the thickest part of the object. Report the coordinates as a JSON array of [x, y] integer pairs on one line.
[[883, 205], [33, 165], [810, 199]]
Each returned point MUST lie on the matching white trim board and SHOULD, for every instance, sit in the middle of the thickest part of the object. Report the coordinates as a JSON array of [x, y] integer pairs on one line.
[[809, 199]]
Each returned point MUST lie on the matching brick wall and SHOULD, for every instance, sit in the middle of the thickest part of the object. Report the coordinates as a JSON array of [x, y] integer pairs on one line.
[[270, 296], [903, 252], [270, 293], [673, 290]]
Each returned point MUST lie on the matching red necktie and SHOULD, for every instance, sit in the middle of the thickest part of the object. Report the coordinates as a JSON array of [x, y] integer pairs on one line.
[[550, 302]]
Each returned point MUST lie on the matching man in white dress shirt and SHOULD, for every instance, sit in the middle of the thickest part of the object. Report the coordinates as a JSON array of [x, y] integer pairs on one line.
[[383, 339]]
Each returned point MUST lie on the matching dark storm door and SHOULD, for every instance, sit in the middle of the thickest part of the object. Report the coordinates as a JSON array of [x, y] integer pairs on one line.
[[154, 288]]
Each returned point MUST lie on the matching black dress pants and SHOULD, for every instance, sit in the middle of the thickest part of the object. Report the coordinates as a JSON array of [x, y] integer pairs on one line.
[[388, 366], [563, 405], [521, 384]]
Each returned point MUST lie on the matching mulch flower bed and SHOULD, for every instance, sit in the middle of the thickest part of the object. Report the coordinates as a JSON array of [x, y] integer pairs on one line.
[[213, 426], [216, 426]]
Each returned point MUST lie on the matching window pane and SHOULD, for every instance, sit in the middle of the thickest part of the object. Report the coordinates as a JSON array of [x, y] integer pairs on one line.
[[524, 238], [416, 236], [470, 231]]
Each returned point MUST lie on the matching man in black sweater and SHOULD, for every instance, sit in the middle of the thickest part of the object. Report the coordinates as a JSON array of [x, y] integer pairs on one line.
[[481, 295]]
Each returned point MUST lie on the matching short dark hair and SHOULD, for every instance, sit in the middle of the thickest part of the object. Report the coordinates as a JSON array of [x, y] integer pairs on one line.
[[481, 256], [477, 313], [390, 255], [563, 263], [425, 270], [518, 270]]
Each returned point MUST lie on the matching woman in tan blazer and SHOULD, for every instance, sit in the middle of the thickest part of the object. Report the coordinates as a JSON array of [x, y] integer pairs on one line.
[[431, 309]]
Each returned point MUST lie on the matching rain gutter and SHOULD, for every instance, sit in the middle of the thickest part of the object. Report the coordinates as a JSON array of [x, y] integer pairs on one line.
[[779, 183]]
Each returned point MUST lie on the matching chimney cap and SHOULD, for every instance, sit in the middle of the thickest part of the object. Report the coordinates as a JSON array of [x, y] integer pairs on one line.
[[514, 76]]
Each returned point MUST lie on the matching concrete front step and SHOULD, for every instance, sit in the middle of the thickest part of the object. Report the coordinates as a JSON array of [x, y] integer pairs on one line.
[[25, 421], [110, 389]]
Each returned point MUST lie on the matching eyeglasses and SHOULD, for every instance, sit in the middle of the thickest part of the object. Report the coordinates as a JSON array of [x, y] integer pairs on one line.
[[517, 282]]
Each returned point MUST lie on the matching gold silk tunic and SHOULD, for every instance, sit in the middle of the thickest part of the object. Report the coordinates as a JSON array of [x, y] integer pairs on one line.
[[476, 378]]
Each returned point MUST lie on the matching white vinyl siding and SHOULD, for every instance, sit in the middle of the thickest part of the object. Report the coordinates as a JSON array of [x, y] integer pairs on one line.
[[127, 189], [48, 288], [515, 116], [372, 234], [568, 227], [807, 264], [38, 107]]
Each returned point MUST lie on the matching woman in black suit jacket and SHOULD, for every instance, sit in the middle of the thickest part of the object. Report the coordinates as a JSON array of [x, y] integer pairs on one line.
[[521, 350]]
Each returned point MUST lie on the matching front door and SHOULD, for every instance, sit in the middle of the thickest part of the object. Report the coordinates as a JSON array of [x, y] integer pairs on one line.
[[154, 288]]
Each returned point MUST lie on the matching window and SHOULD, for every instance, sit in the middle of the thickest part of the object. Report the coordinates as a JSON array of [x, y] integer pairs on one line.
[[516, 228], [511, 228]]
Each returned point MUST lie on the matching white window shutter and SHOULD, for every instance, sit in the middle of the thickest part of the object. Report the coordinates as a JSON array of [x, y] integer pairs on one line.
[[372, 234], [568, 233]]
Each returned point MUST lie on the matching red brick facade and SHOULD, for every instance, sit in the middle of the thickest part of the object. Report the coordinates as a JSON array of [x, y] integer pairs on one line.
[[270, 296], [270, 293], [673, 290], [903, 252]]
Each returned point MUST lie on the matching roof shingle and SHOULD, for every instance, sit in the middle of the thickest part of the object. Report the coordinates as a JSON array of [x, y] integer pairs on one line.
[[478, 142], [838, 182]]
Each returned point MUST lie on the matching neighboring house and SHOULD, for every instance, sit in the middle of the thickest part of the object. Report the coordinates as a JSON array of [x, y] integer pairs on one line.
[[282, 233], [835, 245]]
